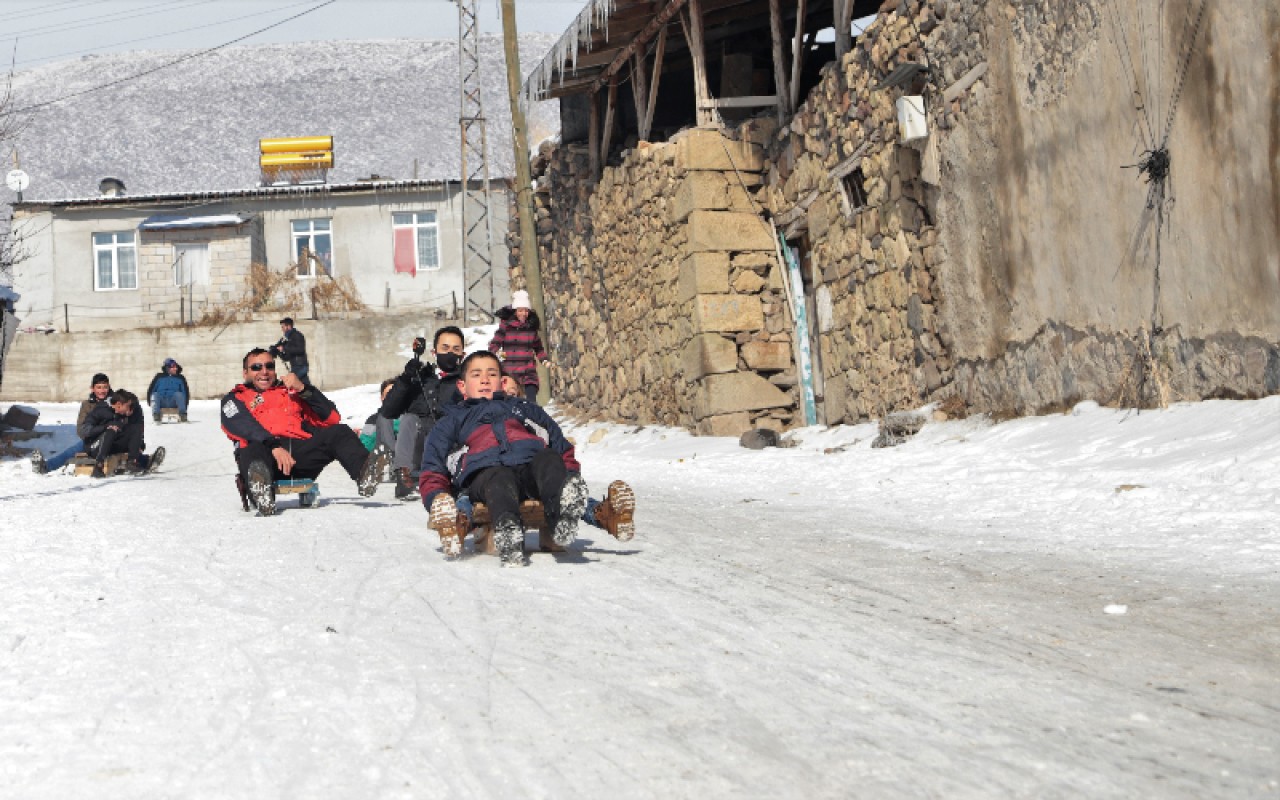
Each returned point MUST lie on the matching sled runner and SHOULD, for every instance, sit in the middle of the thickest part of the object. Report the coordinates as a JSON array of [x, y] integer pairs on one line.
[[452, 533], [169, 415], [307, 490]]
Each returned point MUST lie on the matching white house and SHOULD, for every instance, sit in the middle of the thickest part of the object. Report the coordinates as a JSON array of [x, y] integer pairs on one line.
[[120, 261]]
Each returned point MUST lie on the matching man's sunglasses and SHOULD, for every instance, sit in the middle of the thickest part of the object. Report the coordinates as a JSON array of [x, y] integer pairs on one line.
[[261, 365]]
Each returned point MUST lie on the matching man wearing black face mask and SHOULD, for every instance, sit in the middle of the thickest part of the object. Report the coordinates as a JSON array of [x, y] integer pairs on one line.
[[419, 397]]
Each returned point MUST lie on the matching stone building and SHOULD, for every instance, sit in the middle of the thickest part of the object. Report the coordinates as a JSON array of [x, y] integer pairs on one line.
[[1006, 207]]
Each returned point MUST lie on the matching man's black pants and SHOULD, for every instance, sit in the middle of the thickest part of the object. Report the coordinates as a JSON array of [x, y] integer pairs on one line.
[[326, 445], [126, 440], [502, 488]]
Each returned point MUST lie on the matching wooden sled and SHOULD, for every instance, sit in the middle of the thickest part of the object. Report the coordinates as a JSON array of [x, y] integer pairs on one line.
[[481, 528], [84, 463], [169, 415], [307, 490]]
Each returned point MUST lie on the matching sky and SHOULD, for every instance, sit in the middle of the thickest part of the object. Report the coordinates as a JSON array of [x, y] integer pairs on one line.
[[1076, 605], [37, 31]]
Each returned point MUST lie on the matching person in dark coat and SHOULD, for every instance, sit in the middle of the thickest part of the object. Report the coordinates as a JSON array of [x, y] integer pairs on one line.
[[99, 388], [518, 343], [116, 426], [284, 427], [292, 349], [489, 444], [169, 389], [420, 397]]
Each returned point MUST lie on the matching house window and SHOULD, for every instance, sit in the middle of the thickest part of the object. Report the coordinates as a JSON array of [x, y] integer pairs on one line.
[[313, 246], [855, 197], [417, 241], [115, 261], [191, 265]]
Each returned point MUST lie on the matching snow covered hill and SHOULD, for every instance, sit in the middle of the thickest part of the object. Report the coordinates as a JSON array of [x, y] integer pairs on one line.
[[1081, 605], [390, 104]]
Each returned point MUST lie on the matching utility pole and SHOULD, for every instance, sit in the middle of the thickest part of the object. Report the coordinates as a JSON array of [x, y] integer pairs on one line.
[[477, 222], [524, 183]]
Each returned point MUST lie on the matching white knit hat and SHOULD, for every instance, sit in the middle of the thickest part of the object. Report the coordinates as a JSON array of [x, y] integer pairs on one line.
[[520, 299]]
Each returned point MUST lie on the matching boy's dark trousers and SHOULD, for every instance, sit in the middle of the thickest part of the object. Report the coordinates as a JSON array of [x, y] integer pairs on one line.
[[502, 488], [126, 440], [326, 445]]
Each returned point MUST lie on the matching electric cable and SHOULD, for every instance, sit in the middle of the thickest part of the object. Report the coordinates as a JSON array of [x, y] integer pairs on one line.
[[168, 64], [49, 30], [159, 35]]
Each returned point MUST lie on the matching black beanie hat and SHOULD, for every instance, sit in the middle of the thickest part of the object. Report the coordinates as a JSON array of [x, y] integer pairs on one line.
[[100, 377]]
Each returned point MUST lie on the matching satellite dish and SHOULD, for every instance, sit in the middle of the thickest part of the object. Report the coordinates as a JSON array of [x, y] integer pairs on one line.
[[17, 180]]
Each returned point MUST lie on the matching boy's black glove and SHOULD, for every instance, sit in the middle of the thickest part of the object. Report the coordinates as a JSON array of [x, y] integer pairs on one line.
[[419, 346]]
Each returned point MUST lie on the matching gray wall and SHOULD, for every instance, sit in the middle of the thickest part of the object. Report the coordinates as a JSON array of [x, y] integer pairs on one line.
[[60, 270], [1038, 215], [58, 367]]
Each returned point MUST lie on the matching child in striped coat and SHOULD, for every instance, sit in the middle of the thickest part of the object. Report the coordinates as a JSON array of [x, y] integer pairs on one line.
[[519, 345]]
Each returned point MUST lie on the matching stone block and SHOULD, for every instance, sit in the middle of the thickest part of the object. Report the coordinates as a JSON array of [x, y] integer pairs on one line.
[[757, 261], [710, 150], [734, 392], [703, 273], [727, 313], [748, 282], [767, 355], [725, 425], [699, 190], [708, 354], [728, 231]]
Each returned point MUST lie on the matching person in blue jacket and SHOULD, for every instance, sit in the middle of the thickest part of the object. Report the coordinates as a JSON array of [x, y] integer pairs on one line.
[[169, 389], [489, 444]]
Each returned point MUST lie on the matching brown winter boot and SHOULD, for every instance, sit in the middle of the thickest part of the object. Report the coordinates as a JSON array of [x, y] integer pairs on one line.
[[445, 521], [406, 486], [617, 513]]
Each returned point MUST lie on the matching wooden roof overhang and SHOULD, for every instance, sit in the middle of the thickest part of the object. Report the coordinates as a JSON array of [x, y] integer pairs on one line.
[[607, 35]]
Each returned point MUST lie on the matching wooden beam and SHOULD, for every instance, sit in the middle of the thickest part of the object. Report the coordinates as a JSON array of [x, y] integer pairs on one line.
[[779, 65], [593, 137], [797, 55], [842, 11], [639, 89], [693, 35], [646, 122], [745, 101], [608, 121], [658, 22]]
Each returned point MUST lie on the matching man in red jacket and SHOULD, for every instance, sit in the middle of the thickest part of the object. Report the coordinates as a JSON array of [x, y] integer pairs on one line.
[[285, 427]]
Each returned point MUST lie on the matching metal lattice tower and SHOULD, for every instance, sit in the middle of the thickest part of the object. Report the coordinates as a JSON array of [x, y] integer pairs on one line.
[[477, 223]]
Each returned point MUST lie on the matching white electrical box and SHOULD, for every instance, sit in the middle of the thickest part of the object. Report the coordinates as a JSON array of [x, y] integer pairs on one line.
[[912, 123]]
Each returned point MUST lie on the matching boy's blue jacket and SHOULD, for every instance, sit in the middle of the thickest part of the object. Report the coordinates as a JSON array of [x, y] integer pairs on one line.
[[477, 434]]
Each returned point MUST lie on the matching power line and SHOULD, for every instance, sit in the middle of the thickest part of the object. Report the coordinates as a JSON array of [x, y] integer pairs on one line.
[[50, 30], [168, 64], [160, 35], [55, 8]]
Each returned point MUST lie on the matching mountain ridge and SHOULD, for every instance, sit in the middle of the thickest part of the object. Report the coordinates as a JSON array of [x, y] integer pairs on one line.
[[392, 106]]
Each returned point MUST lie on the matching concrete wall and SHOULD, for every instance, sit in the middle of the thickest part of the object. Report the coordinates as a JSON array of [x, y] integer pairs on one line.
[[57, 367], [56, 283]]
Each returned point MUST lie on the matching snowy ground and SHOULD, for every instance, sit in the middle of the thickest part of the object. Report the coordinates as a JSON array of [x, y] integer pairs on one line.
[[1072, 606]]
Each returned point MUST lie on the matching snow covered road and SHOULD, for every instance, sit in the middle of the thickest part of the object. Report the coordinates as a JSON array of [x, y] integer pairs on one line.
[[937, 619]]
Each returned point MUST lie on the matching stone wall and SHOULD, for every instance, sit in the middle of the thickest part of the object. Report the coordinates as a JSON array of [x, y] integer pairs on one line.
[[1007, 262], [56, 367], [663, 294]]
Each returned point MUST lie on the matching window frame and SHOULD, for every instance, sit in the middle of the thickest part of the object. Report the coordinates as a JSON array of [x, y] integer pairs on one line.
[[433, 225], [208, 257], [114, 248], [309, 235]]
